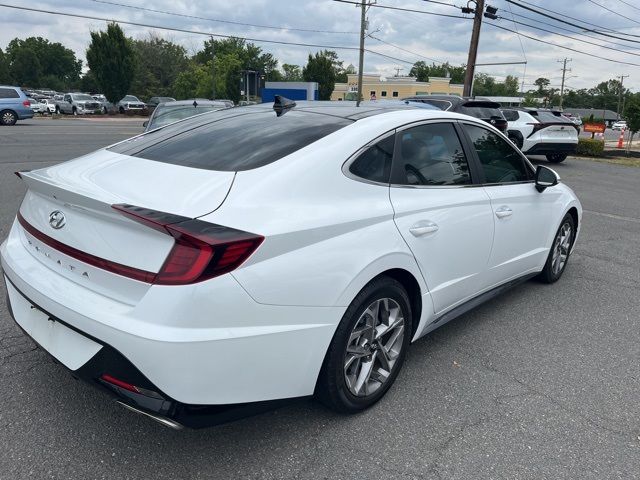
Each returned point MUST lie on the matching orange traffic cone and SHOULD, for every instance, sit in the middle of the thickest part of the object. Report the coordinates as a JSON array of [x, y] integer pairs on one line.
[[621, 138]]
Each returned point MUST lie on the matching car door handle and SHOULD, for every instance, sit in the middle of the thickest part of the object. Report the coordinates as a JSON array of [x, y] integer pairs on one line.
[[422, 228], [503, 212]]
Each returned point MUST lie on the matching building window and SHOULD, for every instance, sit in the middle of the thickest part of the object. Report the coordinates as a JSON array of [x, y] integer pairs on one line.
[[395, 94], [372, 92], [383, 93]]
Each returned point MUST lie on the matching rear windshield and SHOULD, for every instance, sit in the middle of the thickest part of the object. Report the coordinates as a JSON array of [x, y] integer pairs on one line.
[[480, 112], [549, 117], [228, 140]]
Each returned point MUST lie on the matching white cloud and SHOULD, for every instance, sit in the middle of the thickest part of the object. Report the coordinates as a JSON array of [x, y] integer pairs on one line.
[[440, 38]]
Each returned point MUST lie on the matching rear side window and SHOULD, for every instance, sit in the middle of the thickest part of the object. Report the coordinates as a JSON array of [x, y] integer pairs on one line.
[[501, 163], [431, 155], [375, 162], [511, 115], [232, 140], [480, 112], [9, 93]]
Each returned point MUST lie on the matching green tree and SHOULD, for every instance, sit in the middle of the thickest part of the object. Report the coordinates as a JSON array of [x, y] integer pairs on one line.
[[292, 73], [632, 114], [111, 58], [56, 62], [542, 84], [192, 82], [158, 63], [320, 68], [25, 68], [5, 77], [422, 71]]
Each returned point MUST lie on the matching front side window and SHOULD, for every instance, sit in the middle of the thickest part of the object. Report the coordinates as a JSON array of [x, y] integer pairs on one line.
[[431, 155], [500, 162], [375, 162]]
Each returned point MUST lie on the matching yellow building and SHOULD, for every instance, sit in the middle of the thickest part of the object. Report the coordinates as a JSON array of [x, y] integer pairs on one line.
[[393, 87]]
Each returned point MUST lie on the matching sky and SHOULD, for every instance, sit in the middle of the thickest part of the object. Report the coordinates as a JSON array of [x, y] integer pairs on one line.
[[414, 36]]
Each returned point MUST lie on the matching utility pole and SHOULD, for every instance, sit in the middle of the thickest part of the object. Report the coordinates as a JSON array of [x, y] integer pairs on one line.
[[473, 48], [213, 71], [363, 28], [622, 77], [564, 72]]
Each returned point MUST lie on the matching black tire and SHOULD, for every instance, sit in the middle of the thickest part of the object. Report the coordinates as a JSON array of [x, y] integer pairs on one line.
[[331, 387], [8, 118], [104, 110], [516, 139], [74, 110], [550, 274], [556, 157], [121, 110], [57, 110]]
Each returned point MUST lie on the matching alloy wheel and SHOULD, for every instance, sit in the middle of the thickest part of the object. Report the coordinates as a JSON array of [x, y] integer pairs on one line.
[[374, 346], [561, 247]]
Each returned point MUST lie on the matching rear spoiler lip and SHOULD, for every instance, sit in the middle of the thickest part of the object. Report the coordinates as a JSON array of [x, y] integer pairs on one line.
[[20, 172]]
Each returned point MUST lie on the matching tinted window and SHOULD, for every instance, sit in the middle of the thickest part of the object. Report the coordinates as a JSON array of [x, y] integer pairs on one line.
[[375, 162], [549, 117], [441, 104], [510, 115], [169, 114], [231, 140], [9, 93], [480, 112], [500, 162], [432, 155]]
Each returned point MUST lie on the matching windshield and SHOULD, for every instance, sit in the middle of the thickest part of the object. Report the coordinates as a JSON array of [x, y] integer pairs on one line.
[[83, 97], [169, 114]]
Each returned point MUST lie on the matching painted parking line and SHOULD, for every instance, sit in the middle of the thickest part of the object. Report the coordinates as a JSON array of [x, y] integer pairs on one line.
[[611, 215]]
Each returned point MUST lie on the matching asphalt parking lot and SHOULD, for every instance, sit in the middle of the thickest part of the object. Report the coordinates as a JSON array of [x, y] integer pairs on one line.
[[542, 382]]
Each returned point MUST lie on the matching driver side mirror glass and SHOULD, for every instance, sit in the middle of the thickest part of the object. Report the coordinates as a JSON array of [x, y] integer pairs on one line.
[[545, 178]]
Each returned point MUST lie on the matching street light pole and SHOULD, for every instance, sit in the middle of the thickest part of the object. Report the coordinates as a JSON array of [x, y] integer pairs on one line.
[[363, 27], [622, 77], [564, 72]]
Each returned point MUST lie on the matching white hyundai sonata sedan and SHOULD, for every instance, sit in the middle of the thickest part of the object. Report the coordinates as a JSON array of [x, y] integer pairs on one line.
[[243, 258]]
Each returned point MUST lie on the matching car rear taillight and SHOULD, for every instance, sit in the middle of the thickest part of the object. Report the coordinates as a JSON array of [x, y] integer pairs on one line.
[[26, 103], [201, 250]]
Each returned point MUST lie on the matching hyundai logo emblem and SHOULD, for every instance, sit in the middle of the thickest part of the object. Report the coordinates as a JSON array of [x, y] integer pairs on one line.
[[57, 219], [493, 122]]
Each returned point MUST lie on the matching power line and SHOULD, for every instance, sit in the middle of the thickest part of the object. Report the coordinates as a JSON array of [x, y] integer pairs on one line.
[[628, 4], [404, 9], [441, 3], [572, 38], [196, 32], [614, 12], [218, 20], [405, 50], [581, 31], [539, 12], [562, 46]]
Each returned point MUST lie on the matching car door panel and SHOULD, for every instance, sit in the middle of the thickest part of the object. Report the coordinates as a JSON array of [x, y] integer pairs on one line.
[[448, 227]]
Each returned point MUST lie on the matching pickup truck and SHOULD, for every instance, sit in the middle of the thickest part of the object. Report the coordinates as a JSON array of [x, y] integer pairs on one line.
[[77, 104], [131, 103]]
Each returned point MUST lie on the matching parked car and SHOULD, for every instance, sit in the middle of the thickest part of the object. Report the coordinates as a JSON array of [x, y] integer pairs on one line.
[[49, 105], [36, 106], [14, 105], [130, 103], [542, 132], [482, 109], [77, 104], [575, 119], [166, 113], [105, 105], [223, 263], [619, 125], [154, 101]]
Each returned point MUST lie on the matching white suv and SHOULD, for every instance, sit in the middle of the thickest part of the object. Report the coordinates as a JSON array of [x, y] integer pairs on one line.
[[542, 132]]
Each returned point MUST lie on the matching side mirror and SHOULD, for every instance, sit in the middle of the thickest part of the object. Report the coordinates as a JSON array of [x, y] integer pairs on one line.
[[145, 124], [545, 178]]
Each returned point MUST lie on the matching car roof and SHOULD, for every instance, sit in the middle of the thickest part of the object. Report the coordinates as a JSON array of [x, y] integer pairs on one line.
[[199, 102], [347, 109]]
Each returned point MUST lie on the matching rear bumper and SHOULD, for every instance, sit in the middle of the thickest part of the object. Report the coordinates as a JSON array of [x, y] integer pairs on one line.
[[556, 147], [207, 348], [160, 407]]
